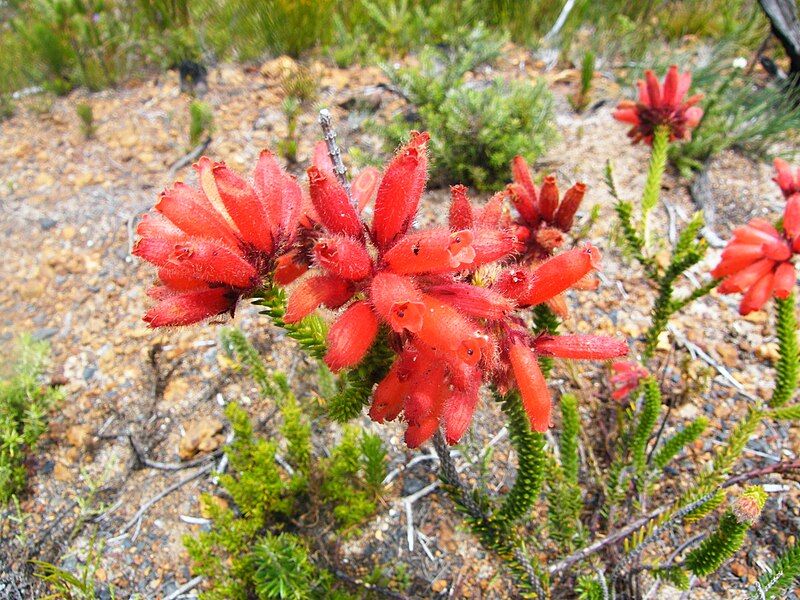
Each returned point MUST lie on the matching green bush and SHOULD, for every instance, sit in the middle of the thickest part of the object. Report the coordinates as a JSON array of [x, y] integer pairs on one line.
[[74, 42], [24, 404], [201, 122], [476, 127], [259, 546]]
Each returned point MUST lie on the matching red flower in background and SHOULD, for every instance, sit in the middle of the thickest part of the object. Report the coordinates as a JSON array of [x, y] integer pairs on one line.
[[661, 105], [758, 260], [787, 178], [218, 243], [626, 378]]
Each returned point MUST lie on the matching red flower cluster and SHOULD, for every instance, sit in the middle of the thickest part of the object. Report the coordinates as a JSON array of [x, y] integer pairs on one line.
[[758, 260], [661, 105], [543, 217], [216, 244], [222, 242]]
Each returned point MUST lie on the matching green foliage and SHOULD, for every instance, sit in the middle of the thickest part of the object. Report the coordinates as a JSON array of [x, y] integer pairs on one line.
[[282, 569], [532, 461], [655, 174], [201, 122], [287, 146], [357, 458], [476, 127], [310, 332], [674, 444], [651, 408], [780, 575], [787, 367], [356, 385], [564, 502], [236, 345], [673, 575], [250, 550], [580, 100], [80, 585], [86, 116], [248, 29], [72, 43], [728, 537], [24, 405]]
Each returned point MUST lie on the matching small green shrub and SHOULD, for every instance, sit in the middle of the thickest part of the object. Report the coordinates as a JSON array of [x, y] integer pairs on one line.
[[259, 546], [86, 116], [201, 122], [476, 127], [24, 404]]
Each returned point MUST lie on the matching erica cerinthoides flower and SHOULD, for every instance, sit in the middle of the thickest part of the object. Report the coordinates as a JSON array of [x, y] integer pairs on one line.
[[520, 350], [384, 275], [219, 242], [626, 378], [758, 261], [662, 106], [543, 215], [787, 178]]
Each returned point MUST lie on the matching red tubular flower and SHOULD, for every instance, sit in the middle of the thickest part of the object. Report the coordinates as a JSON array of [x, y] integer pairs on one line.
[[758, 260], [351, 336], [626, 379], [559, 274], [393, 268], [311, 293], [536, 398], [219, 243], [787, 178], [591, 347], [332, 204], [400, 191], [662, 106]]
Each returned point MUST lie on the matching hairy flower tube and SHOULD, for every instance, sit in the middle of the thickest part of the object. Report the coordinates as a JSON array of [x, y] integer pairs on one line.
[[217, 243], [661, 106], [758, 260]]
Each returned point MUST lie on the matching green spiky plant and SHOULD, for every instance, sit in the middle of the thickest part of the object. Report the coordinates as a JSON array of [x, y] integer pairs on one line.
[[261, 544], [201, 122]]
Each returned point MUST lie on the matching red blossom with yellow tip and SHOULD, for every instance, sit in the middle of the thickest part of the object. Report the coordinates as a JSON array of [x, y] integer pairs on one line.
[[662, 106]]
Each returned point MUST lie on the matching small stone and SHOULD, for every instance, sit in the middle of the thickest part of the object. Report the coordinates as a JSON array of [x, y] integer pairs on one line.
[[739, 569], [203, 435], [439, 586], [768, 351], [62, 473], [176, 389], [79, 435]]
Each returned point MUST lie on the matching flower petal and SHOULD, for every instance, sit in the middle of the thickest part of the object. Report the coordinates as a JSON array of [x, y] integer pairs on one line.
[[350, 336]]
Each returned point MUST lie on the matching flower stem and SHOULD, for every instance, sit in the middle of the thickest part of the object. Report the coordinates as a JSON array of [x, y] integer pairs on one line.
[[787, 367], [334, 151], [655, 173]]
